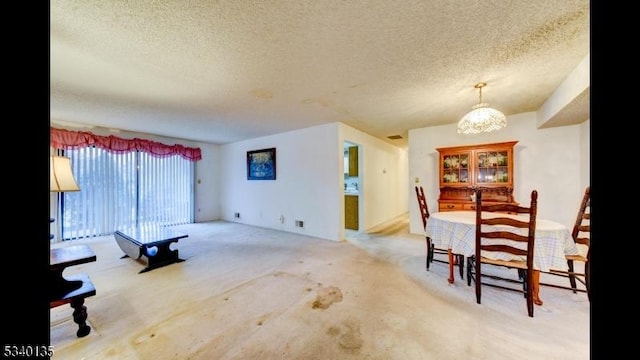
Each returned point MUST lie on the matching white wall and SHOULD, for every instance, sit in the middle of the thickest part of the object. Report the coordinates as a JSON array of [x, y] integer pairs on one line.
[[307, 185], [585, 148], [575, 84], [383, 178], [552, 161], [208, 188]]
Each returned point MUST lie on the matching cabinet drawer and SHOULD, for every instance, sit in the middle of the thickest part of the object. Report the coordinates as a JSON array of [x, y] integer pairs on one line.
[[469, 207], [451, 207]]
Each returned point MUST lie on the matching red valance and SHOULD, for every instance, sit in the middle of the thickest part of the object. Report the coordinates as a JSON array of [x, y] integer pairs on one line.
[[66, 139]]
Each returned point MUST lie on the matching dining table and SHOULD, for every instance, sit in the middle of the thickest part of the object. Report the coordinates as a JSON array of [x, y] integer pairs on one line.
[[456, 231]]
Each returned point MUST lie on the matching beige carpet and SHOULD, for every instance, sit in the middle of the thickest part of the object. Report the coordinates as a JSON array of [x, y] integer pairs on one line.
[[252, 293]]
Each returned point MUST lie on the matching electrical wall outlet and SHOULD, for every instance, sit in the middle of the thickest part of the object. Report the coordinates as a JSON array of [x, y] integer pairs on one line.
[[299, 223], [236, 215]]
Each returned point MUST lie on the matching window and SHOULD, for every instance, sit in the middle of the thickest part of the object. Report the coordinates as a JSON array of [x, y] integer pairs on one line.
[[120, 190]]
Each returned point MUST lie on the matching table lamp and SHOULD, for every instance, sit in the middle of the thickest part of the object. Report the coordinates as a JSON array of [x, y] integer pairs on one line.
[[61, 176]]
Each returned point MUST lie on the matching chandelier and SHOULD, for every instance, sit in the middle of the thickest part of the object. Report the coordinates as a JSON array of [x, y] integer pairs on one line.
[[482, 118]]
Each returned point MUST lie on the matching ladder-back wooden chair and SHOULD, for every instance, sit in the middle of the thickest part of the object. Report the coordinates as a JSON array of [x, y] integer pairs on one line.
[[581, 234], [432, 250], [499, 234]]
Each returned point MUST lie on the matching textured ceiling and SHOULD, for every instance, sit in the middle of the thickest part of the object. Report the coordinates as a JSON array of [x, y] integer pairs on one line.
[[225, 71]]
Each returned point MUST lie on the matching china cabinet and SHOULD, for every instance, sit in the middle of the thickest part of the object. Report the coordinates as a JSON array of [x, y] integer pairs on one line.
[[464, 169]]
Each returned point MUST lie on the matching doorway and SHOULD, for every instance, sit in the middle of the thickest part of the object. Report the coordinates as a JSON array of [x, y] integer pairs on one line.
[[352, 188]]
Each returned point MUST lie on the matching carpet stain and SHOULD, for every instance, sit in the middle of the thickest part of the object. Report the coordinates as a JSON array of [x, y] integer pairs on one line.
[[333, 331], [351, 340], [326, 297], [262, 319]]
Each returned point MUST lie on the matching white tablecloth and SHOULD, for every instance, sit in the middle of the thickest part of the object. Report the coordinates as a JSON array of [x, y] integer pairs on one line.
[[455, 230]]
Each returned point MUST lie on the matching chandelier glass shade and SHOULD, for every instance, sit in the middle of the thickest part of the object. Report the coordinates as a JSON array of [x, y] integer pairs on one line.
[[482, 118]]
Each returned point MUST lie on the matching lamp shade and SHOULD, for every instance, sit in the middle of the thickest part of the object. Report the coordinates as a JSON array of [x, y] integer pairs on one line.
[[482, 118], [61, 175]]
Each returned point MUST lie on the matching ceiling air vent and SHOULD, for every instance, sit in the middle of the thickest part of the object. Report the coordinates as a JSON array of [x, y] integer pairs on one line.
[[394, 137]]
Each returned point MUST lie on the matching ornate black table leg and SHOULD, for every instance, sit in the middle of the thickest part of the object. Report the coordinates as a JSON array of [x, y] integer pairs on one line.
[[80, 317], [162, 255]]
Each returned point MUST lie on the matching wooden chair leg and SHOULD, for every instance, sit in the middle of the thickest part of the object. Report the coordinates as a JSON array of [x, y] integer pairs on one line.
[[533, 290], [451, 278], [572, 277], [426, 263], [530, 302], [478, 280], [536, 288], [586, 280], [429, 253]]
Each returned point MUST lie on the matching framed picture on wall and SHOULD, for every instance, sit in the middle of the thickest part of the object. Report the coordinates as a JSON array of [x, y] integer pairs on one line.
[[261, 164]]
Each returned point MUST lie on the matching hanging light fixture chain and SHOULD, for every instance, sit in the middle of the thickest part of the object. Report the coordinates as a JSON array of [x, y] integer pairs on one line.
[[479, 86]]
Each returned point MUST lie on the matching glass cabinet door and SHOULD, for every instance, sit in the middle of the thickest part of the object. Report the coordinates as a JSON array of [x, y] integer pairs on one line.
[[455, 168], [492, 167]]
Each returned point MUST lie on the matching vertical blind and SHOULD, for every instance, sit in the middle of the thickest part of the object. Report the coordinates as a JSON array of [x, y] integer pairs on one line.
[[118, 191]]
